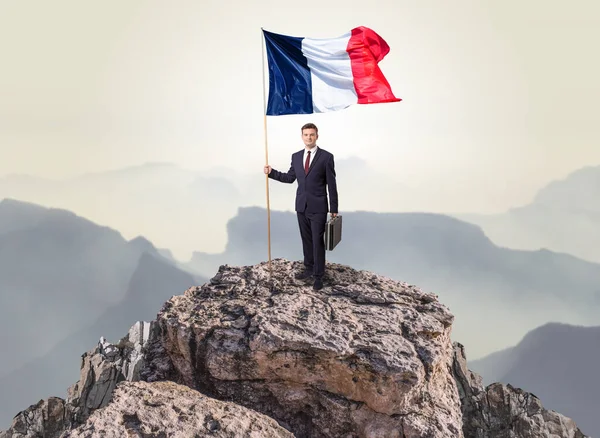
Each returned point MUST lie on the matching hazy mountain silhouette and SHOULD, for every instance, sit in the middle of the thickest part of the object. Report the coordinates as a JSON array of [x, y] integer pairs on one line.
[[153, 282], [558, 363], [497, 294], [181, 209], [564, 216], [15, 215], [174, 207], [58, 272]]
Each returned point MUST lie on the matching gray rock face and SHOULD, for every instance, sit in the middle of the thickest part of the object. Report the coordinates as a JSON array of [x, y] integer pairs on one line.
[[363, 357], [166, 409], [45, 419], [502, 411], [101, 370]]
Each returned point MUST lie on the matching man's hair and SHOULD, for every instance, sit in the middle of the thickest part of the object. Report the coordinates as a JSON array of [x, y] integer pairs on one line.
[[310, 126]]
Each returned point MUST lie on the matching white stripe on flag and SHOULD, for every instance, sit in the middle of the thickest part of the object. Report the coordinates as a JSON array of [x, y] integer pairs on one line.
[[331, 73]]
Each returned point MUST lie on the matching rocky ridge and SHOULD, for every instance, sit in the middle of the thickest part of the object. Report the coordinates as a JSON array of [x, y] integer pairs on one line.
[[167, 408], [365, 356]]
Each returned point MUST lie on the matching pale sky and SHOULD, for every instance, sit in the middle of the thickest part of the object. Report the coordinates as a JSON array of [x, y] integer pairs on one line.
[[499, 97]]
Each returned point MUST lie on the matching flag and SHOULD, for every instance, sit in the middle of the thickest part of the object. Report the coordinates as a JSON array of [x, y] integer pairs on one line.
[[309, 75]]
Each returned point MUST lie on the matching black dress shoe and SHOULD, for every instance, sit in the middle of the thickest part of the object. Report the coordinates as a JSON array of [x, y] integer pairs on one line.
[[318, 284], [304, 275]]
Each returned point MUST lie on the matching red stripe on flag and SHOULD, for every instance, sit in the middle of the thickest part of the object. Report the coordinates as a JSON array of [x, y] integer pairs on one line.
[[366, 49]]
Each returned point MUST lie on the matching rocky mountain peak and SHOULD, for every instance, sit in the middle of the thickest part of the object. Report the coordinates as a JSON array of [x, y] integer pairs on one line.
[[366, 356]]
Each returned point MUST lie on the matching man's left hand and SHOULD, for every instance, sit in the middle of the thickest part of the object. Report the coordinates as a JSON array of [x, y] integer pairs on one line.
[[334, 214]]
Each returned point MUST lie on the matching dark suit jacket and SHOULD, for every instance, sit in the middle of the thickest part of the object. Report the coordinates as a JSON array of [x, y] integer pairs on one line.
[[311, 196]]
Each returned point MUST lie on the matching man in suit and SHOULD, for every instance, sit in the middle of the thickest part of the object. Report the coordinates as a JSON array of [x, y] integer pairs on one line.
[[314, 169]]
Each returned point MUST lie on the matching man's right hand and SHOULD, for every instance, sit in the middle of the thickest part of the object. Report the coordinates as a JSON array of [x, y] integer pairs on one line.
[[267, 169]]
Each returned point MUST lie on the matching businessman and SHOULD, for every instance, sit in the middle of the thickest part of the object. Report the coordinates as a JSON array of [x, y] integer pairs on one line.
[[314, 168]]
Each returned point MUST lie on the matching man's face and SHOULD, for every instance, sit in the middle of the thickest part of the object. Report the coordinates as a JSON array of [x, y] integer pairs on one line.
[[309, 137]]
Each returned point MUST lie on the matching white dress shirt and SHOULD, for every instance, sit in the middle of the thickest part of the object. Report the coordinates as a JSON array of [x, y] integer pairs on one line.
[[313, 152]]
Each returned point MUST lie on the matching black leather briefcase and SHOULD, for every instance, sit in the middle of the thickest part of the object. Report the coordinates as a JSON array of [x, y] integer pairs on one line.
[[333, 232]]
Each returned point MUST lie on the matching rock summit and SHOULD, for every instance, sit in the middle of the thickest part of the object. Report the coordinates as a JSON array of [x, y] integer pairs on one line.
[[258, 353]]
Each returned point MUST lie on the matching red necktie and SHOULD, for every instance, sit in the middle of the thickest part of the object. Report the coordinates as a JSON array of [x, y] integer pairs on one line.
[[306, 163]]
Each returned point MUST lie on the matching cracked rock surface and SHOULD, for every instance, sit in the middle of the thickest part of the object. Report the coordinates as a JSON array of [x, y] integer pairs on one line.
[[364, 356], [243, 356], [166, 409]]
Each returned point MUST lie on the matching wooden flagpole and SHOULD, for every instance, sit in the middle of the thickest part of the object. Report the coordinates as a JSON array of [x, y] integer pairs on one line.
[[266, 149]]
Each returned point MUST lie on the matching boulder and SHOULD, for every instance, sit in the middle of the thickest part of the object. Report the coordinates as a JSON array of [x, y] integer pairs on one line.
[[365, 356]]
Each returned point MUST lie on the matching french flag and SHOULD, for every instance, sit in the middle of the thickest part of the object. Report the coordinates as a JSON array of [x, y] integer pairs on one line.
[[308, 75]]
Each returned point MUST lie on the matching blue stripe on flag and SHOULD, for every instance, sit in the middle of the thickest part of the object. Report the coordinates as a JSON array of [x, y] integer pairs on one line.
[[290, 86]]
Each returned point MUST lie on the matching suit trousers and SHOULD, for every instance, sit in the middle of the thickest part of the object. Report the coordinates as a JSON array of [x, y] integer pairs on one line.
[[312, 230]]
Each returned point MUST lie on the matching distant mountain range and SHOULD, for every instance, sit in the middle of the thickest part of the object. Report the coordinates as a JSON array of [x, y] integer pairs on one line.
[[153, 199], [558, 363], [497, 294], [177, 208], [564, 217], [64, 282]]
